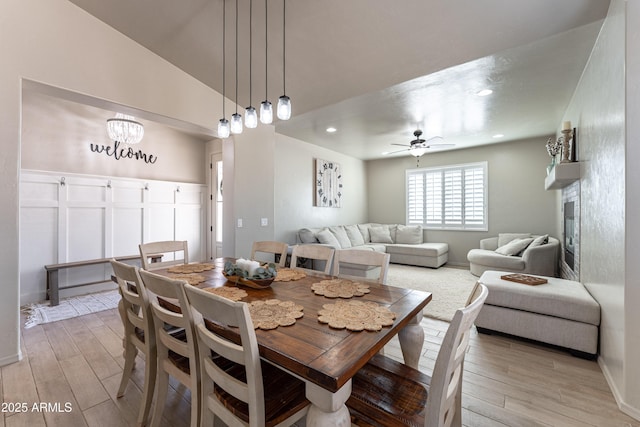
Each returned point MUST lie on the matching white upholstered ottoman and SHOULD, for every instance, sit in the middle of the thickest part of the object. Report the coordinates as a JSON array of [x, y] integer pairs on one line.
[[559, 312]]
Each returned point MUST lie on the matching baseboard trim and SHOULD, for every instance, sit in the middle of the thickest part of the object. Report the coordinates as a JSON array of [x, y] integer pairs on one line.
[[8, 360], [622, 405]]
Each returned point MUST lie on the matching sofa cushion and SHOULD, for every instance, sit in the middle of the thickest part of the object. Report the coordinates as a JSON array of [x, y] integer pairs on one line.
[[378, 247], [380, 234], [422, 249], [354, 234], [514, 247], [409, 234], [307, 235], [495, 260], [341, 235], [364, 229], [540, 240], [560, 298], [328, 238], [504, 238]]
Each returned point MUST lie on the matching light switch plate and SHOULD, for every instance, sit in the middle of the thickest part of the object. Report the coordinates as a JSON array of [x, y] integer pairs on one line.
[[264, 222], [239, 222]]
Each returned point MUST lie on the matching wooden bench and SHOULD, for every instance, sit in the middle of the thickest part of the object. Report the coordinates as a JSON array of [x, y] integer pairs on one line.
[[53, 286]]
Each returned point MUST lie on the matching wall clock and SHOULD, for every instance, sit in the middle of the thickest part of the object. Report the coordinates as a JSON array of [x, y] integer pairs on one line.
[[328, 184]]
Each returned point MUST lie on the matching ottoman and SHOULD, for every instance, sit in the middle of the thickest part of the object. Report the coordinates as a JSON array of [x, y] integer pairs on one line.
[[559, 312]]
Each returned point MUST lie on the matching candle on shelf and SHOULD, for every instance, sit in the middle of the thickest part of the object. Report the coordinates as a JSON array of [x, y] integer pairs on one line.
[[566, 125]]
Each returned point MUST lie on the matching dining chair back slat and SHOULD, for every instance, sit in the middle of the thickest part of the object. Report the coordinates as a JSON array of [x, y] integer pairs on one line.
[[347, 259], [313, 253], [163, 254], [278, 249]]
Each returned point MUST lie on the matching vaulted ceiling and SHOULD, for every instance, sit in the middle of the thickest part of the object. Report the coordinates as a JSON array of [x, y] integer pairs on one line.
[[376, 70]]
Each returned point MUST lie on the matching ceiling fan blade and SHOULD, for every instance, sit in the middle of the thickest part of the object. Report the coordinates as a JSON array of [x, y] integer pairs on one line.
[[440, 145], [434, 139], [399, 151], [402, 145]]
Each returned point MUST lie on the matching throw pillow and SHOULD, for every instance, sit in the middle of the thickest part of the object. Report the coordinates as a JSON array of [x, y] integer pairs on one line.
[[380, 235], [307, 235], [504, 238], [540, 240], [328, 238], [409, 234], [514, 247], [341, 235], [355, 236]]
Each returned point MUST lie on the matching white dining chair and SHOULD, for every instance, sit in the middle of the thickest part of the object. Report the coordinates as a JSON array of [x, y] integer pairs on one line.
[[236, 386], [139, 334], [389, 393], [277, 249], [314, 254], [372, 265], [177, 356], [164, 254]]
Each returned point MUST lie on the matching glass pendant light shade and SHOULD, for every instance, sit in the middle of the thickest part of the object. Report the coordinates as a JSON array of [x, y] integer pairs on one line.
[[284, 107], [417, 151], [266, 112], [223, 128], [236, 123], [125, 129], [250, 117]]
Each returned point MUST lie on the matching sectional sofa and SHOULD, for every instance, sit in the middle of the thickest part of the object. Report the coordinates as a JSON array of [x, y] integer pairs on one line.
[[406, 244]]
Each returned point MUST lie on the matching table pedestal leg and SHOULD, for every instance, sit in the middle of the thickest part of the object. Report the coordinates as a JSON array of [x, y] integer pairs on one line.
[[411, 340], [328, 409]]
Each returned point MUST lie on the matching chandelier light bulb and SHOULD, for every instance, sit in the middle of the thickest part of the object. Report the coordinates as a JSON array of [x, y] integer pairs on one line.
[[266, 112], [250, 117], [223, 128], [284, 107], [236, 123], [123, 128]]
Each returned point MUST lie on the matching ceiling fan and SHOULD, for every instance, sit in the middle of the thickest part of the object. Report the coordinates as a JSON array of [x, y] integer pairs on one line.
[[419, 146]]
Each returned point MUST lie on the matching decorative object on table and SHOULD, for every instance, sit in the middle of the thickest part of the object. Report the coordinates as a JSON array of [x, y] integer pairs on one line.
[[228, 292], [190, 278], [289, 275], [191, 268], [270, 314], [340, 288], [356, 315], [525, 279], [328, 184], [250, 273]]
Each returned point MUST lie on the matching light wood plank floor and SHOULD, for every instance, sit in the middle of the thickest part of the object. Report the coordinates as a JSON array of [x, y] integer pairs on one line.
[[73, 367]]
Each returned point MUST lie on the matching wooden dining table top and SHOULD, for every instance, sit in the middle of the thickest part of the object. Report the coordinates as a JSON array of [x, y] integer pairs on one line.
[[312, 350]]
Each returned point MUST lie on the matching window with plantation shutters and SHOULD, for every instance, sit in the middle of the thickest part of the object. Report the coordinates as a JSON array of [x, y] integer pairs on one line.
[[449, 197]]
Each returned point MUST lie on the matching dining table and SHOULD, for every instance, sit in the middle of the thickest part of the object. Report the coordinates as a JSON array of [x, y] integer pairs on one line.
[[326, 357]]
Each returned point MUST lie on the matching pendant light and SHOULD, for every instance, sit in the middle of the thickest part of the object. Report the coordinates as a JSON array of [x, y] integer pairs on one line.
[[266, 110], [250, 114], [236, 119], [284, 103], [223, 124]]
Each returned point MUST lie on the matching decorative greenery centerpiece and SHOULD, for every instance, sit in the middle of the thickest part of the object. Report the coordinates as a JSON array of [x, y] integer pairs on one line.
[[250, 273]]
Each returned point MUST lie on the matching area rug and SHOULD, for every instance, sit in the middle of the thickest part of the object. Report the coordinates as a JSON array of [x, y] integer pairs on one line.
[[450, 287], [40, 313]]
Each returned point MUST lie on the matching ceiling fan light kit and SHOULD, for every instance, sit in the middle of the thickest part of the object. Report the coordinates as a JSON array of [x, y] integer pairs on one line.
[[418, 146]]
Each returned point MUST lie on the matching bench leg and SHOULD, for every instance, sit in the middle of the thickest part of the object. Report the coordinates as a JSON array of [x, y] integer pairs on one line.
[[53, 287]]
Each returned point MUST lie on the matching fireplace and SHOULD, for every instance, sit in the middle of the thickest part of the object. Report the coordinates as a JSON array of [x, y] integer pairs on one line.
[[569, 234]]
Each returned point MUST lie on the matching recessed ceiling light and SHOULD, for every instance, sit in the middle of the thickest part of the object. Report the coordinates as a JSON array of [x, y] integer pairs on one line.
[[498, 135], [331, 129], [484, 92]]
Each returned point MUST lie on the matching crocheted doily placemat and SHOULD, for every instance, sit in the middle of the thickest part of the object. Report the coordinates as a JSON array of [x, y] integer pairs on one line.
[[288, 275], [190, 278], [342, 288], [271, 313], [356, 315], [228, 292], [190, 268]]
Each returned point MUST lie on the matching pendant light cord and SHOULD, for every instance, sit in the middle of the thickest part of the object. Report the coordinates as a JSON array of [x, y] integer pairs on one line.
[[237, 56], [250, 52], [266, 79], [284, 38], [224, 59]]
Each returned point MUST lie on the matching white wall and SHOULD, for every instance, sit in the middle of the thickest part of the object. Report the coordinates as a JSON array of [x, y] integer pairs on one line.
[[609, 195], [295, 187], [60, 45], [517, 199]]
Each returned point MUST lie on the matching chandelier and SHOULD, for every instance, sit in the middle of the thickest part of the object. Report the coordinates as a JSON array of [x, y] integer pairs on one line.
[[125, 129], [225, 128]]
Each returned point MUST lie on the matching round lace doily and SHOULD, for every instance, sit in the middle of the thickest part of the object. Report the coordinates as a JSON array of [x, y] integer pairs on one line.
[[340, 288], [272, 313], [228, 292], [288, 275], [356, 315], [190, 278], [190, 268]]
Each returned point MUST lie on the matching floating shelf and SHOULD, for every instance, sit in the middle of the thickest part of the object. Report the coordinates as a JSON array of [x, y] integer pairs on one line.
[[562, 175]]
